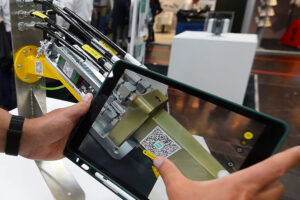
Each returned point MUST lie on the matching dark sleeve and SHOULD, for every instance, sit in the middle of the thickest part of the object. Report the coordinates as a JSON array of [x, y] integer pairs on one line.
[[159, 9]]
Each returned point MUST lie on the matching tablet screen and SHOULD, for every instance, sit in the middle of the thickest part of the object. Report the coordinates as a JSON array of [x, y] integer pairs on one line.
[[134, 112]]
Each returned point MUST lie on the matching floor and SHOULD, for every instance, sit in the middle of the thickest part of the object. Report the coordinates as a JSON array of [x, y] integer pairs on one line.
[[277, 93], [279, 96]]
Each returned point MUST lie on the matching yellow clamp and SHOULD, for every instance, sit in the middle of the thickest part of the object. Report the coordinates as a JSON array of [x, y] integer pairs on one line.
[[30, 69]]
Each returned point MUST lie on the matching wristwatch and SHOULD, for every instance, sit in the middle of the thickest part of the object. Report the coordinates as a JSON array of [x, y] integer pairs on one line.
[[14, 134]]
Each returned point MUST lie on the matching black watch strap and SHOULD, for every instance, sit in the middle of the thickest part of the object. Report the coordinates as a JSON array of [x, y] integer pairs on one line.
[[14, 134]]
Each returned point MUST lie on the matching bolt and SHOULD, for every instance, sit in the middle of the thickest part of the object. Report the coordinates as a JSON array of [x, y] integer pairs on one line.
[[20, 3], [27, 78], [19, 66], [116, 151], [239, 150], [230, 164], [24, 52]]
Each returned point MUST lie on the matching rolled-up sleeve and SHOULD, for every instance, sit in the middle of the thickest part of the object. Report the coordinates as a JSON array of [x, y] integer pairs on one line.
[[6, 15]]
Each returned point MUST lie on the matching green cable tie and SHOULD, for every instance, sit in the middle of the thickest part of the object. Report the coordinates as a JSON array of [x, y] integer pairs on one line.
[[52, 88]]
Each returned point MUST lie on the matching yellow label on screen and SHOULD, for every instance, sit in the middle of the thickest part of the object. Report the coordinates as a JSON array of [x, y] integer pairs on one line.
[[148, 154], [38, 14], [155, 171], [91, 51], [108, 47], [248, 135]]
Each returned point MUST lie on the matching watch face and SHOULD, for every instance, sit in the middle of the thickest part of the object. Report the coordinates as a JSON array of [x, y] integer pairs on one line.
[[138, 115]]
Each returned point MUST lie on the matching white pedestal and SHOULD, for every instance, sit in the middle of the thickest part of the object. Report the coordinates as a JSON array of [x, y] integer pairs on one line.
[[219, 65]]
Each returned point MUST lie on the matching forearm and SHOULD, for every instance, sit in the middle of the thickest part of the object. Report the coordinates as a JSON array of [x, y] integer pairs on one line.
[[45, 138], [4, 123]]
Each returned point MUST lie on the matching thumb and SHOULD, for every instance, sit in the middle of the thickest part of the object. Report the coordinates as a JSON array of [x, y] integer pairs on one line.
[[81, 108], [167, 170]]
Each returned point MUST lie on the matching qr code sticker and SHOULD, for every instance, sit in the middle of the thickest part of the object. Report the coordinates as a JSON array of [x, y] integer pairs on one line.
[[38, 67], [159, 143]]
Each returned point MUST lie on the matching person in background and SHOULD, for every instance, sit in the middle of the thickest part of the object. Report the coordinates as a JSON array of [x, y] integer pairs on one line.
[[7, 94], [82, 8], [155, 9], [120, 21], [190, 5]]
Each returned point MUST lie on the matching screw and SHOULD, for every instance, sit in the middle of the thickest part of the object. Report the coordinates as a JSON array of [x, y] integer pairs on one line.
[[116, 151], [24, 52], [27, 78], [230, 164], [239, 150], [19, 66]]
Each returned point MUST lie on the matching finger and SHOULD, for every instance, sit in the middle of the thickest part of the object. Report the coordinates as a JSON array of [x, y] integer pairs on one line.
[[168, 171], [273, 191], [80, 108], [268, 171]]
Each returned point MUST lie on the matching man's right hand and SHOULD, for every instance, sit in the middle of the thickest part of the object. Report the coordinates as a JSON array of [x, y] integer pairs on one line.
[[260, 181]]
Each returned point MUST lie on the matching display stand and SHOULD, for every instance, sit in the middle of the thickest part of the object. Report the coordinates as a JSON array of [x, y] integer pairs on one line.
[[219, 65]]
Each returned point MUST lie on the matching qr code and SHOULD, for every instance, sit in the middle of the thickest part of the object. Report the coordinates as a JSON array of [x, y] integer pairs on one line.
[[159, 143], [38, 67]]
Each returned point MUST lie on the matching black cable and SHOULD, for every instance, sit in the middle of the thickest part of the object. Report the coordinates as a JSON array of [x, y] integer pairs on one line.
[[59, 11], [95, 31], [76, 40], [102, 61], [53, 34], [84, 33]]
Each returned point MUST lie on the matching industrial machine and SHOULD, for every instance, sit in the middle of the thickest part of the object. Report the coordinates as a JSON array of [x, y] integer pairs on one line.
[[81, 60]]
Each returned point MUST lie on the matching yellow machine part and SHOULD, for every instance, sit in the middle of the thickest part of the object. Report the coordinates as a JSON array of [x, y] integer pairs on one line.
[[30, 69]]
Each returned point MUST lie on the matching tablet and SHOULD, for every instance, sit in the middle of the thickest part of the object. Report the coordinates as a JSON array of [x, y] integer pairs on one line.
[[139, 114]]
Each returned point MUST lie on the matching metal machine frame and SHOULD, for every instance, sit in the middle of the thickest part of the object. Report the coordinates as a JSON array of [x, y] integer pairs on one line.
[[81, 61], [31, 103]]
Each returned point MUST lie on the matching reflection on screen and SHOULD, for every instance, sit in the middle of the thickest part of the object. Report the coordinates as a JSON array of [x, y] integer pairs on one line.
[[142, 114]]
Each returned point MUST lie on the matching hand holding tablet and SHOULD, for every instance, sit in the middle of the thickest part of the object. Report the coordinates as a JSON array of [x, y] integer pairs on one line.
[[260, 181], [137, 110]]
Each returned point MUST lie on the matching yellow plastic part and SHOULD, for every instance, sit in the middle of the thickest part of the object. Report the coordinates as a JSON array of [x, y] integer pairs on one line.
[[155, 171], [108, 47], [30, 69], [248, 135], [91, 51], [152, 157], [39, 14]]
